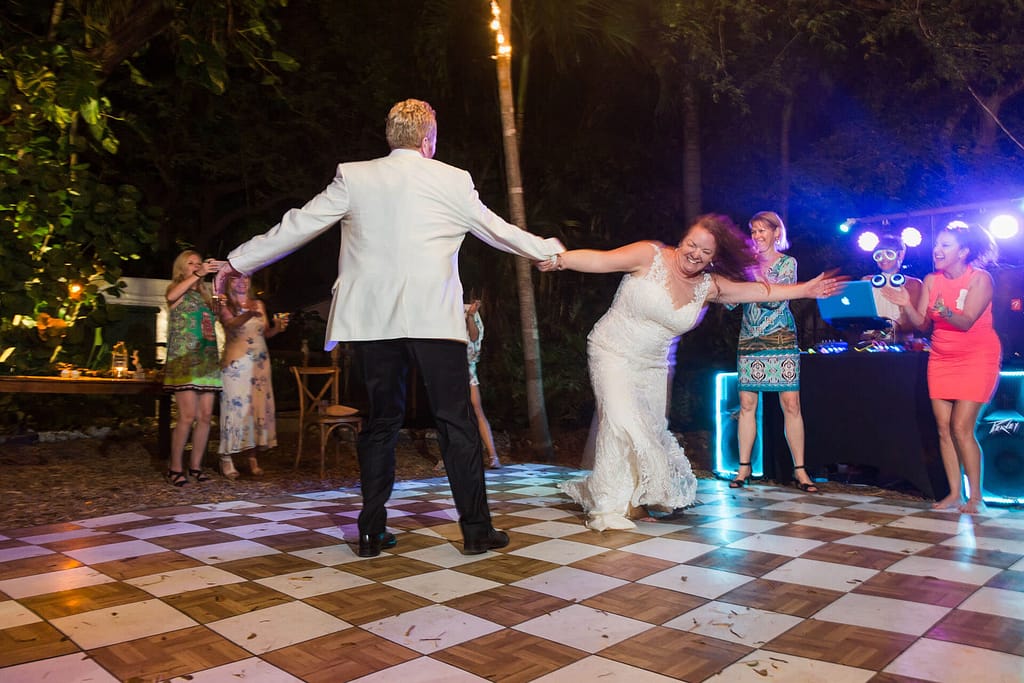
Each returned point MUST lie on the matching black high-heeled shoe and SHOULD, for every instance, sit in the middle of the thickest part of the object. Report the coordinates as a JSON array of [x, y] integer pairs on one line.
[[198, 475], [176, 478], [738, 482], [809, 487]]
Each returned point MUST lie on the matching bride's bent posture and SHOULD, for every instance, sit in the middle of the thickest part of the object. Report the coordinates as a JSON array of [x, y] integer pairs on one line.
[[664, 294]]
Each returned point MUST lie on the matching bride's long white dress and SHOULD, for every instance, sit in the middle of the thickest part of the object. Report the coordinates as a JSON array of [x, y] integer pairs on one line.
[[637, 460]]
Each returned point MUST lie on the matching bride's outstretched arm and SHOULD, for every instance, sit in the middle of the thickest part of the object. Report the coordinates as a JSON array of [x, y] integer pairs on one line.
[[625, 259], [731, 292]]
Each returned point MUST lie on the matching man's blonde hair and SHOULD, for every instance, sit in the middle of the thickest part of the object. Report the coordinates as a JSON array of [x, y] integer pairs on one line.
[[409, 122]]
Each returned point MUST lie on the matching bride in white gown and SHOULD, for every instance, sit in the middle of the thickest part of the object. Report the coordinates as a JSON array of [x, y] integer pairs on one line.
[[664, 294]]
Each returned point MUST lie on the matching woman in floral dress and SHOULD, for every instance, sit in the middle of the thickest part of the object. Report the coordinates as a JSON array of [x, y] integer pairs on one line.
[[247, 416], [192, 370]]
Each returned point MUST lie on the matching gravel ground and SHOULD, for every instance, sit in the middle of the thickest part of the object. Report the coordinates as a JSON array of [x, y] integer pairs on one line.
[[53, 482]]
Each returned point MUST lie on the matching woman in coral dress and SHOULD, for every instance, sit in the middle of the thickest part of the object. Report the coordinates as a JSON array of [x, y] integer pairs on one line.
[[963, 368]]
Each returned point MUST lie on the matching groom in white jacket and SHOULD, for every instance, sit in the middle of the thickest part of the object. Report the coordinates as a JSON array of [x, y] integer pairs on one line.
[[399, 299]]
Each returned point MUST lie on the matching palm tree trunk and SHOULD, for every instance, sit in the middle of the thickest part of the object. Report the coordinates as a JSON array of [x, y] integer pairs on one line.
[[541, 436], [691, 153]]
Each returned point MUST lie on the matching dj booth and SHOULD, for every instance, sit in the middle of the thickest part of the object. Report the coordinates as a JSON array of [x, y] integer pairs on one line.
[[859, 408]]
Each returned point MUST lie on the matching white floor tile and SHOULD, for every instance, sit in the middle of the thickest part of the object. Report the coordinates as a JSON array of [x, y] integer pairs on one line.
[[899, 510], [828, 575], [725, 510], [947, 570], [57, 537], [700, 581], [939, 526], [802, 507], [114, 551], [735, 623], [570, 583], [552, 529], [790, 546], [112, 520], [752, 526], [442, 585], [184, 580], [216, 553], [341, 553], [329, 495], [847, 526], [120, 624], [251, 670], [541, 513], [430, 629], [164, 530], [594, 668], [272, 628], [996, 601], [764, 665], [443, 555], [559, 551], [236, 505], [969, 540], [52, 582], [261, 530], [944, 662], [203, 516], [306, 584], [891, 545], [885, 614], [583, 628], [285, 515], [23, 551], [669, 549], [13, 613], [77, 667]]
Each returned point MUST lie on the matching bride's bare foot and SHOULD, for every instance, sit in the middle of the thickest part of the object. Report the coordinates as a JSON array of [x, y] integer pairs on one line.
[[947, 503], [973, 506]]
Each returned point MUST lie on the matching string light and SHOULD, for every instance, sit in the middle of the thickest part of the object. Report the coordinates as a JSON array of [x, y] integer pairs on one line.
[[503, 48]]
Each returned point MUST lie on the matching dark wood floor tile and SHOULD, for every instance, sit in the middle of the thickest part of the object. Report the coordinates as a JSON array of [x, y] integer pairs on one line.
[[29, 642], [508, 605], [510, 656], [265, 566], [981, 630], [841, 553], [340, 656], [645, 603], [926, 589], [364, 604], [220, 602], [748, 562], [858, 646], [84, 599], [677, 654], [165, 656], [623, 565], [777, 596], [990, 558]]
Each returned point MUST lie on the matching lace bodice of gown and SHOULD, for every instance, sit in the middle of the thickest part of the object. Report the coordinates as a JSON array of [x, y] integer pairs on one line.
[[642, 320], [637, 461]]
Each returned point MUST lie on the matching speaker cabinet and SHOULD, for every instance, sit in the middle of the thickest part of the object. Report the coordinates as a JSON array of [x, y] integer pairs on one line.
[[1000, 431], [727, 412]]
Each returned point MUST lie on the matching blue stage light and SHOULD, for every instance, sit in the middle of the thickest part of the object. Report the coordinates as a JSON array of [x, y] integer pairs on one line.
[[1004, 226]]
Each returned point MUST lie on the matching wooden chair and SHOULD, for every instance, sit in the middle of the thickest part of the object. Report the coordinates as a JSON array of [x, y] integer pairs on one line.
[[327, 414]]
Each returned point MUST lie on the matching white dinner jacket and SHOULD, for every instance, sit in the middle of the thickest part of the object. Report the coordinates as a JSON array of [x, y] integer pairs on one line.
[[403, 218]]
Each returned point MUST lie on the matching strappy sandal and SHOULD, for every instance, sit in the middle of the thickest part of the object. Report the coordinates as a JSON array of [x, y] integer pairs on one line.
[[176, 478], [740, 483], [198, 475], [809, 487]]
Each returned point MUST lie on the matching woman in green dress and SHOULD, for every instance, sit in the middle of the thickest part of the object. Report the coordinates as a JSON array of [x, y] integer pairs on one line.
[[192, 370]]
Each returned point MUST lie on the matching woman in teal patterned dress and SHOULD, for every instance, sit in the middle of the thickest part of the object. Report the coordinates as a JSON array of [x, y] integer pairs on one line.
[[768, 353], [192, 370]]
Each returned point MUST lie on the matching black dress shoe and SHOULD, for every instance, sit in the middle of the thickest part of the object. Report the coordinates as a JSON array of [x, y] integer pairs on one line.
[[493, 540], [370, 545]]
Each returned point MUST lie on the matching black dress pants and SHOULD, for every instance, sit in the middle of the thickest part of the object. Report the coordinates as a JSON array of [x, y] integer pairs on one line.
[[442, 365]]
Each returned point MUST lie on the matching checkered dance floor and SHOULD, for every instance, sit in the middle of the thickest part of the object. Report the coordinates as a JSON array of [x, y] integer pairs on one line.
[[761, 584]]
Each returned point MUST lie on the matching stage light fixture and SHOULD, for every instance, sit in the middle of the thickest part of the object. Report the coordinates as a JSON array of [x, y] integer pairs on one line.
[[1004, 226], [845, 226], [867, 240], [912, 236]]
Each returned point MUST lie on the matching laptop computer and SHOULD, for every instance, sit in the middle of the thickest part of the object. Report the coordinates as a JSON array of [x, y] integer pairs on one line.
[[854, 304]]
